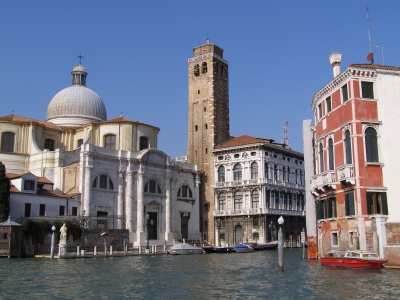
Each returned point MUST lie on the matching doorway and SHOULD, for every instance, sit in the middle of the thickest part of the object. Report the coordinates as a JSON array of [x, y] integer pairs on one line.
[[238, 234], [152, 225], [185, 225]]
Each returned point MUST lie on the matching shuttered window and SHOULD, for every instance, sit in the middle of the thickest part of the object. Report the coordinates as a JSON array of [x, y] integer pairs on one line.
[[321, 209], [331, 203], [377, 203], [371, 145], [347, 146], [330, 150], [349, 204]]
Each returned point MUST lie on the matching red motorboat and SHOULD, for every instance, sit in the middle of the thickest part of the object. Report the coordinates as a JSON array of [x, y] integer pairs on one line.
[[353, 259]]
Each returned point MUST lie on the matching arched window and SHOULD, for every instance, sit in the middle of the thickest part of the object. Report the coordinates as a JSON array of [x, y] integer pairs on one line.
[[196, 69], [152, 187], [288, 174], [196, 127], [321, 158], [238, 200], [185, 192], [266, 166], [255, 199], [347, 147], [103, 182], [371, 145], [204, 67], [254, 170], [284, 173], [7, 141], [275, 172], [49, 144], [237, 172], [221, 174], [330, 152], [221, 201], [144, 143], [109, 141], [206, 126]]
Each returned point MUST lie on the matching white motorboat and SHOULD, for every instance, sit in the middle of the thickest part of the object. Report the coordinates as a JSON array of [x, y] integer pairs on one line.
[[184, 249]]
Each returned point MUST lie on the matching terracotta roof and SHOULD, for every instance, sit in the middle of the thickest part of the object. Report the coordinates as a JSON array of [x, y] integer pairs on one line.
[[248, 140], [13, 189], [44, 180], [375, 67], [48, 193], [122, 119], [15, 176], [244, 140], [18, 119]]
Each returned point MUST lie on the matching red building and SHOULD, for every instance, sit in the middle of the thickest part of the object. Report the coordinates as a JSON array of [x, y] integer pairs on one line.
[[352, 161]]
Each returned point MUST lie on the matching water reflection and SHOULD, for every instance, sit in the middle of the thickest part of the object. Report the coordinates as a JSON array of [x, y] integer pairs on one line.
[[209, 276]]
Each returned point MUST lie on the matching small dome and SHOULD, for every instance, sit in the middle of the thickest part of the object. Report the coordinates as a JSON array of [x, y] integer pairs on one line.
[[76, 105], [79, 68]]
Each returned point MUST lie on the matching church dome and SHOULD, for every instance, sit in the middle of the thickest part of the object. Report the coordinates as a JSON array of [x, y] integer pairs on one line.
[[76, 105]]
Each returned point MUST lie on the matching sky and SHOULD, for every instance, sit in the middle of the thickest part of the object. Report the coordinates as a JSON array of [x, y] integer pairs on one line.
[[136, 54]]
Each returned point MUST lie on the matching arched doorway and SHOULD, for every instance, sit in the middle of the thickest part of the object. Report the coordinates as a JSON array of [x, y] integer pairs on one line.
[[238, 234]]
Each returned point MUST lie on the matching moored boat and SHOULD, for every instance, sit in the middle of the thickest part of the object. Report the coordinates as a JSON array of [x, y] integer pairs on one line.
[[224, 249], [184, 249], [353, 259], [209, 249], [241, 248], [262, 247]]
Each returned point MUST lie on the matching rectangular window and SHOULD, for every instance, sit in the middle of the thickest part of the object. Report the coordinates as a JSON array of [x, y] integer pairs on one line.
[[27, 210], [332, 207], [103, 181], [49, 144], [320, 111], [367, 90], [335, 240], [328, 104], [79, 143], [4, 236], [321, 209], [42, 210], [61, 211], [256, 221], [349, 204], [74, 211], [377, 203], [345, 95], [29, 185]]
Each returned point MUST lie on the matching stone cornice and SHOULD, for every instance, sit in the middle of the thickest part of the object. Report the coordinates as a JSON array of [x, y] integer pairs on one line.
[[205, 56]]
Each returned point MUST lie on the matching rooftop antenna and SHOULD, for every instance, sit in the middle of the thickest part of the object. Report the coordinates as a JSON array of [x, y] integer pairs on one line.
[[370, 56], [285, 140], [80, 58], [383, 53]]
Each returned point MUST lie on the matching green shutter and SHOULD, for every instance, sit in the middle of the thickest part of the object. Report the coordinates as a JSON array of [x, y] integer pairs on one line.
[[384, 204], [369, 203], [330, 214], [349, 204]]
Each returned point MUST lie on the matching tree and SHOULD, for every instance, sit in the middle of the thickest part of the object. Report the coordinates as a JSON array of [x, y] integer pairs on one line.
[[4, 194]]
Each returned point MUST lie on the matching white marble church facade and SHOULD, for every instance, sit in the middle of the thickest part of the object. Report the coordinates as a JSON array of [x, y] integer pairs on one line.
[[112, 166]]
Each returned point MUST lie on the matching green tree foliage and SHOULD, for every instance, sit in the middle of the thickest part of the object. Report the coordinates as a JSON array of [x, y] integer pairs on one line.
[[4, 194]]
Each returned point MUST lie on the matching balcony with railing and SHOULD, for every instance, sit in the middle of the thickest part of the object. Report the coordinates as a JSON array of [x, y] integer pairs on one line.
[[346, 173], [324, 180], [258, 211]]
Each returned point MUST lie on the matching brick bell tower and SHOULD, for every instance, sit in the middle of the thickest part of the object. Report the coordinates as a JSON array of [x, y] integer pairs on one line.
[[208, 121]]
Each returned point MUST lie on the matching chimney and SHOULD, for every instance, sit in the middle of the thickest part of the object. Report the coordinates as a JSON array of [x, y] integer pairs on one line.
[[335, 59]]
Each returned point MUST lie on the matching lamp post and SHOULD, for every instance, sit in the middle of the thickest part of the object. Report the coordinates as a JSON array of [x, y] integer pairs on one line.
[[105, 235], [147, 250], [53, 228], [280, 244], [83, 223]]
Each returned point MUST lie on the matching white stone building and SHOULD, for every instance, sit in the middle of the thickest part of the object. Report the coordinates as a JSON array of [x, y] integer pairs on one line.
[[113, 167], [256, 181]]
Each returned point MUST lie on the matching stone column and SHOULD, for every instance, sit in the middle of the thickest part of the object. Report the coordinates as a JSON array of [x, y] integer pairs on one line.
[[129, 200], [140, 206], [120, 199], [88, 190], [168, 233]]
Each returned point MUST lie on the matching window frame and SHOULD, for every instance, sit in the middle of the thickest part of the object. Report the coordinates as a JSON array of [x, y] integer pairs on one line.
[[254, 170], [143, 143], [367, 90], [184, 192], [328, 102], [237, 172], [49, 144], [377, 203], [238, 200], [321, 158], [8, 142], [110, 141], [103, 182], [221, 174], [331, 159], [157, 187], [344, 92], [371, 145], [347, 147], [349, 203]]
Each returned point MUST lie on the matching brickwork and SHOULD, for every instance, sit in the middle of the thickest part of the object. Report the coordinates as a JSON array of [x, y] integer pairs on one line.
[[208, 121], [71, 179]]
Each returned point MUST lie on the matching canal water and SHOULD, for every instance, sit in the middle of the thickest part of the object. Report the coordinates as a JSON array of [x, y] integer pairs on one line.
[[208, 276]]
